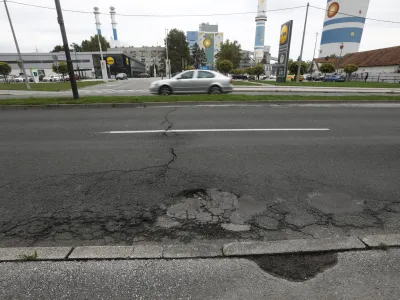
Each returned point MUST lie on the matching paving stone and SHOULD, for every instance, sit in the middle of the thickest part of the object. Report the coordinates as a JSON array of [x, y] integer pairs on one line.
[[300, 219], [177, 209], [48, 253], [291, 246], [382, 240], [167, 222], [235, 227], [204, 217], [191, 251], [147, 251], [267, 223], [236, 218], [93, 252]]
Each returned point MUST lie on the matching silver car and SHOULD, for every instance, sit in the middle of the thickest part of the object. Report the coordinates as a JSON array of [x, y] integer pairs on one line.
[[197, 81]]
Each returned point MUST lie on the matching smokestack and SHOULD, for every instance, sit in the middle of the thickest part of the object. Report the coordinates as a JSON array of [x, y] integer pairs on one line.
[[113, 23], [261, 19], [97, 17]]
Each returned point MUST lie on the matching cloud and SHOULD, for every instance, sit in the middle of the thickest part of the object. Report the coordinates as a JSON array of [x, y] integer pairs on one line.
[[39, 27]]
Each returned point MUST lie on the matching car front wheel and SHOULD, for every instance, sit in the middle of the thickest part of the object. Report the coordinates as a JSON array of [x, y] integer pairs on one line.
[[165, 90]]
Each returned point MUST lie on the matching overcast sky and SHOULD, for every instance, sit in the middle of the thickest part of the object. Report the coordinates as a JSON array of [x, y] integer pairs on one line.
[[36, 27]]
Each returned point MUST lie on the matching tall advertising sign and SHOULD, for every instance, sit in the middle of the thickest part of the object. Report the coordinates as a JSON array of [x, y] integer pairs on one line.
[[284, 51]]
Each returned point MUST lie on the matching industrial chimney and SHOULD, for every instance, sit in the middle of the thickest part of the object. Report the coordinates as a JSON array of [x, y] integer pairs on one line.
[[113, 23], [97, 17]]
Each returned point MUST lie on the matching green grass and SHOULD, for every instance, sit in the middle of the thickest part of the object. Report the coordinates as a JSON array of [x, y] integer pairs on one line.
[[193, 98], [30, 257], [354, 84], [241, 83], [43, 86]]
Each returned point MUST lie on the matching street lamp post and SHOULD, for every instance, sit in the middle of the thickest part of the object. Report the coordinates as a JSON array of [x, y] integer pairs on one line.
[[21, 62], [340, 57]]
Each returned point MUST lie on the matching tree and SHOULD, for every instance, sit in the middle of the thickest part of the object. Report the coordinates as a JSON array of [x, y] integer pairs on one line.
[[231, 51], [333, 56], [349, 69], [151, 70], [93, 44], [225, 66], [62, 68], [178, 49], [259, 70], [198, 56], [75, 47], [251, 71], [5, 70], [327, 68], [57, 48], [293, 66]]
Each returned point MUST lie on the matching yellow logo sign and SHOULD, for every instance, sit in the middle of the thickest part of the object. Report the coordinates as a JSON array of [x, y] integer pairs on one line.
[[110, 60], [333, 9], [207, 43], [284, 34]]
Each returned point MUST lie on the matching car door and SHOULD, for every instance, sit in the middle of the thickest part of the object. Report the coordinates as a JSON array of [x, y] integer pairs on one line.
[[184, 82], [203, 81]]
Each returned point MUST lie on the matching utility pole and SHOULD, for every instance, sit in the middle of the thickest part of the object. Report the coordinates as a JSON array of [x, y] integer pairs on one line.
[[16, 45], [315, 48], [167, 64], [302, 45], [67, 51]]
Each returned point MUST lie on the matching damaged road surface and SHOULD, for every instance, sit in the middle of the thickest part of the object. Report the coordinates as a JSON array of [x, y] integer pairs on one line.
[[117, 176]]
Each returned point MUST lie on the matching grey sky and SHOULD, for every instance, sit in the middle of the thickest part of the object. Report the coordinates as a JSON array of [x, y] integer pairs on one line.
[[39, 27]]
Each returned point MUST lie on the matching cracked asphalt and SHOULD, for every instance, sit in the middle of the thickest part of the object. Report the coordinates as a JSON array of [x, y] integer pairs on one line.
[[63, 181]]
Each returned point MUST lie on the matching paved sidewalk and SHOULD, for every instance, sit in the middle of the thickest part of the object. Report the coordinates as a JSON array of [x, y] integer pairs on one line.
[[363, 275]]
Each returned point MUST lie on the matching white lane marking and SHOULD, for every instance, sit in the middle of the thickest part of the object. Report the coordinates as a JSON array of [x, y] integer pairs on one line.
[[216, 130]]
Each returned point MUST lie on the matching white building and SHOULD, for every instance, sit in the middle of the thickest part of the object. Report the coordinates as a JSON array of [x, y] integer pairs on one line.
[[343, 26], [146, 55]]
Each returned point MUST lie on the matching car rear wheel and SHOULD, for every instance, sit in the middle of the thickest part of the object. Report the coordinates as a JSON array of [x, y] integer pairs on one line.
[[165, 90], [215, 90]]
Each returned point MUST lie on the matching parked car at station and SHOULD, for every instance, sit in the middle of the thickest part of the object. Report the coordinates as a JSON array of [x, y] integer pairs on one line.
[[121, 76], [193, 81], [144, 75], [76, 77], [334, 78]]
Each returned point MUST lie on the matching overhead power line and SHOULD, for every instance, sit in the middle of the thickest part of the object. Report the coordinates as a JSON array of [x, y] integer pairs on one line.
[[344, 14], [155, 15]]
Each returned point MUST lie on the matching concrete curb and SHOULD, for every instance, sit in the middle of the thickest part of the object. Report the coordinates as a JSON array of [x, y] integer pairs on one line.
[[381, 241], [157, 251], [193, 103]]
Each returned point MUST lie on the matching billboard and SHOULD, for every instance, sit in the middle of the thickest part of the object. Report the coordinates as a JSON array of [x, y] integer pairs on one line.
[[192, 37], [344, 23], [284, 51], [211, 43]]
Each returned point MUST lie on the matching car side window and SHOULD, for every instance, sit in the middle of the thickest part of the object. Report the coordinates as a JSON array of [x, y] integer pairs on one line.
[[205, 74], [187, 75]]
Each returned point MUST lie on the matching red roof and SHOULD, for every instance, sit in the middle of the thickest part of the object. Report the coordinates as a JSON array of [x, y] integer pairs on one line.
[[373, 58]]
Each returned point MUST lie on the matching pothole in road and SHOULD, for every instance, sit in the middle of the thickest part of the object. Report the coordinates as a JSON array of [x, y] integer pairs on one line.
[[336, 203], [212, 207], [296, 267]]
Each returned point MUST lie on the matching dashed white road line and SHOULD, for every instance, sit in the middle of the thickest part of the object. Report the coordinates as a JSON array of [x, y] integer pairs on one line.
[[216, 130]]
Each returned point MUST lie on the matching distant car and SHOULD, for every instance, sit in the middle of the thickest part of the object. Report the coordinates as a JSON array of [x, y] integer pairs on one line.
[[121, 76], [144, 75], [272, 77], [55, 78], [194, 81], [10, 78], [334, 78], [20, 79], [239, 76], [76, 77]]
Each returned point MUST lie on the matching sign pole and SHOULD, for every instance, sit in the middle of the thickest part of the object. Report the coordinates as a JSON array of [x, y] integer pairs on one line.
[[302, 46]]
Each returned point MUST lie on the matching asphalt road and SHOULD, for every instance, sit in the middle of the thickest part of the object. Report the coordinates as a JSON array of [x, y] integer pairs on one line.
[[66, 180], [366, 275]]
